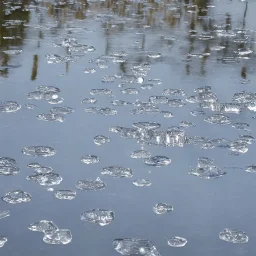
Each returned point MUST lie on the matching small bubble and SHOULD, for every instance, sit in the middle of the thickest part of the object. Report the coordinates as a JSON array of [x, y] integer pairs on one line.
[[9, 107], [130, 91], [61, 110], [43, 226], [154, 55], [120, 103], [174, 92], [91, 185], [61, 236], [177, 241], [251, 169], [167, 114], [90, 159], [100, 140], [65, 194], [89, 70], [46, 179], [158, 99], [44, 151], [197, 113], [142, 183], [155, 81], [157, 161], [218, 119], [108, 79], [162, 208], [186, 124], [133, 246], [100, 92], [147, 86], [16, 197], [98, 216], [233, 236], [117, 171], [51, 117], [8, 166], [30, 106], [206, 170], [89, 101], [4, 214], [56, 101], [140, 154], [34, 165], [3, 240], [176, 103]]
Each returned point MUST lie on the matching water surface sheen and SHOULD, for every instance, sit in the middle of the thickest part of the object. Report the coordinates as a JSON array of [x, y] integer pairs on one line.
[[137, 114]]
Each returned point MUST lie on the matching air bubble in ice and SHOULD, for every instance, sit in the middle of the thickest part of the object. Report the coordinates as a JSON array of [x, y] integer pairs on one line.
[[140, 154], [98, 216], [162, 208], [157, 161], [91, 185], [16, 197], [44, 151], [90, 159], [100, 140], [142, 183], [233, 236], [117, 171], [177, 241], [65, 194]]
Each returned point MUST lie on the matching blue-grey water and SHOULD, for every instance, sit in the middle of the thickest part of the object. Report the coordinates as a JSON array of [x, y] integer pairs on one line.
[[187, 45]]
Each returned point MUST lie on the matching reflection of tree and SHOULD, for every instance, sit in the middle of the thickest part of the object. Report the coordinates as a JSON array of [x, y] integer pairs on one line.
[[11, 32], [61, 10], [151, 13], [154, 15], [201, 29], [35, 68], [243, 73]]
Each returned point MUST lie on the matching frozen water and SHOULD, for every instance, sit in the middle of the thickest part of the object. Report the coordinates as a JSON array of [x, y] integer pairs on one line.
[[162, 208], [5, 213], [100, 140], [140, 154], [91, 185], [60, 236], [142, 183], [51, 117], [8, 166], [233, 236], [44, 151], [177, 241], [9, 106], [46, 179], [133, 246], [251, 168], [44, 226], [65, 194], [16, 197], [157, 161], [100, 92], [218, 119], [89, 101], [117, 171], [61, 110], [90, 159], [3, 240], [206, 169], [98, 216]]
